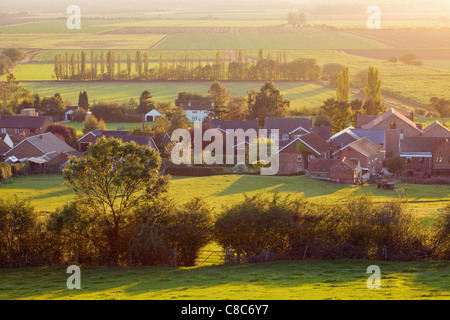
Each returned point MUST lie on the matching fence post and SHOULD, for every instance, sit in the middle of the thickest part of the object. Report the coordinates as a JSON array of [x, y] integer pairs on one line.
[[304, 253]]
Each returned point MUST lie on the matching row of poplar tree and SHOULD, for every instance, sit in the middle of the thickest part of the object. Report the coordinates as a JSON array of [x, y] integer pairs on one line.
[[187, 66]]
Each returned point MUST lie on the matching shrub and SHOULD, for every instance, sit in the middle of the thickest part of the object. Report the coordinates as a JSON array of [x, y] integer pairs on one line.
[[20, 169], [441, 236], [254, 227], [5, 171]]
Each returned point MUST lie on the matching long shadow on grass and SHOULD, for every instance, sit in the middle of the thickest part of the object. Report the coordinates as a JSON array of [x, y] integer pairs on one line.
[[302, 184], [164, 282]]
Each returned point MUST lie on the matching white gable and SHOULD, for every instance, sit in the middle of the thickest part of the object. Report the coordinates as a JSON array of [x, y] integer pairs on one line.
[[154, 113]]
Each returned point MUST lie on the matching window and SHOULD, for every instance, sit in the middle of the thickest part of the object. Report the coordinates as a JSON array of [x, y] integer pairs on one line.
[[422, 160], [297, 136], [299, 170], [439, 159], [3, 130], [299, 158], [17, 131], [408, 160], [194, 111], [393, 125], [310, 157], [194, 118], [285, 137]]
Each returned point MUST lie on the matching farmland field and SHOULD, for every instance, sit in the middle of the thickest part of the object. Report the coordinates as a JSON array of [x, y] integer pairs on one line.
[[301, 94], [48, 191]]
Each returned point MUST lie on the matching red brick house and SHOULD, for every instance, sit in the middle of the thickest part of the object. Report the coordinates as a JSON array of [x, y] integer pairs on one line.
[[425, 156], [336, 170], [436, 129], [20, 127], [91, 137], [369, 153], [441, 158], [297, 154], [42, 150], [396, 126]]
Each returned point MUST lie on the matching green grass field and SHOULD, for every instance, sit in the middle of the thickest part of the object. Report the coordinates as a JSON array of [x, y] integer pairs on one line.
[[47, 192], [289, 280], [301, 94]]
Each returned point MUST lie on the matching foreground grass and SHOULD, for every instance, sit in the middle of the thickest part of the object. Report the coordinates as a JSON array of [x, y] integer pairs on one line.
[[288, 280], [47, 192]]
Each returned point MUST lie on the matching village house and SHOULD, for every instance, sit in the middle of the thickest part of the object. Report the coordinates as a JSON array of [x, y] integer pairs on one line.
[[396, 126], [425, 156], [369, 153], [41, 150], [197, 112], [288, 129], [336, 170], [20, 127], [297, 154], [91, 137], [152, 115], [69, 111]]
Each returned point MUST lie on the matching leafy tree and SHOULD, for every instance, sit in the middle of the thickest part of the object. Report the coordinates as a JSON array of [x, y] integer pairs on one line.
[[179, 120], [52, 106], [322, 120], [268, 102], [13, 54], [237, 108], [221, 97], [146, 103], [91, 123], [112, 180], [83, 101], [441, 105], [407, 58], [343, 87], [373, 103], [339, 112], [330, 72], [5, 64], [396, 165], [69, 134]]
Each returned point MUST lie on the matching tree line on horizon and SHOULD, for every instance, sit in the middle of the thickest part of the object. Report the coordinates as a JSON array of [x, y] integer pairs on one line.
[[187, 66]]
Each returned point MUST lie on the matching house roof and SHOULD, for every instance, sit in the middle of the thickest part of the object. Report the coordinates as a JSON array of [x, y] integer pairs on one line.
[[313, 141], [46, 143], [71, 108], [364, 119], [326, 165], [287, 125], [377, 135], [235, 125], [436, 126], [197, 108], [388, 114], [420, 145], [323, 132], [364, 145], [3, 147], [23, 122], [322, 165]]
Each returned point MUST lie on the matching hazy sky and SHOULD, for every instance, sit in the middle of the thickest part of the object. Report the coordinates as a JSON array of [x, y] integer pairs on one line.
[[441, 7]]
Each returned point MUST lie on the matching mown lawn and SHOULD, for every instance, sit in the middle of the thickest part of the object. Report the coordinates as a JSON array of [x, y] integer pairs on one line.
[[47, 192], [287, 280]]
